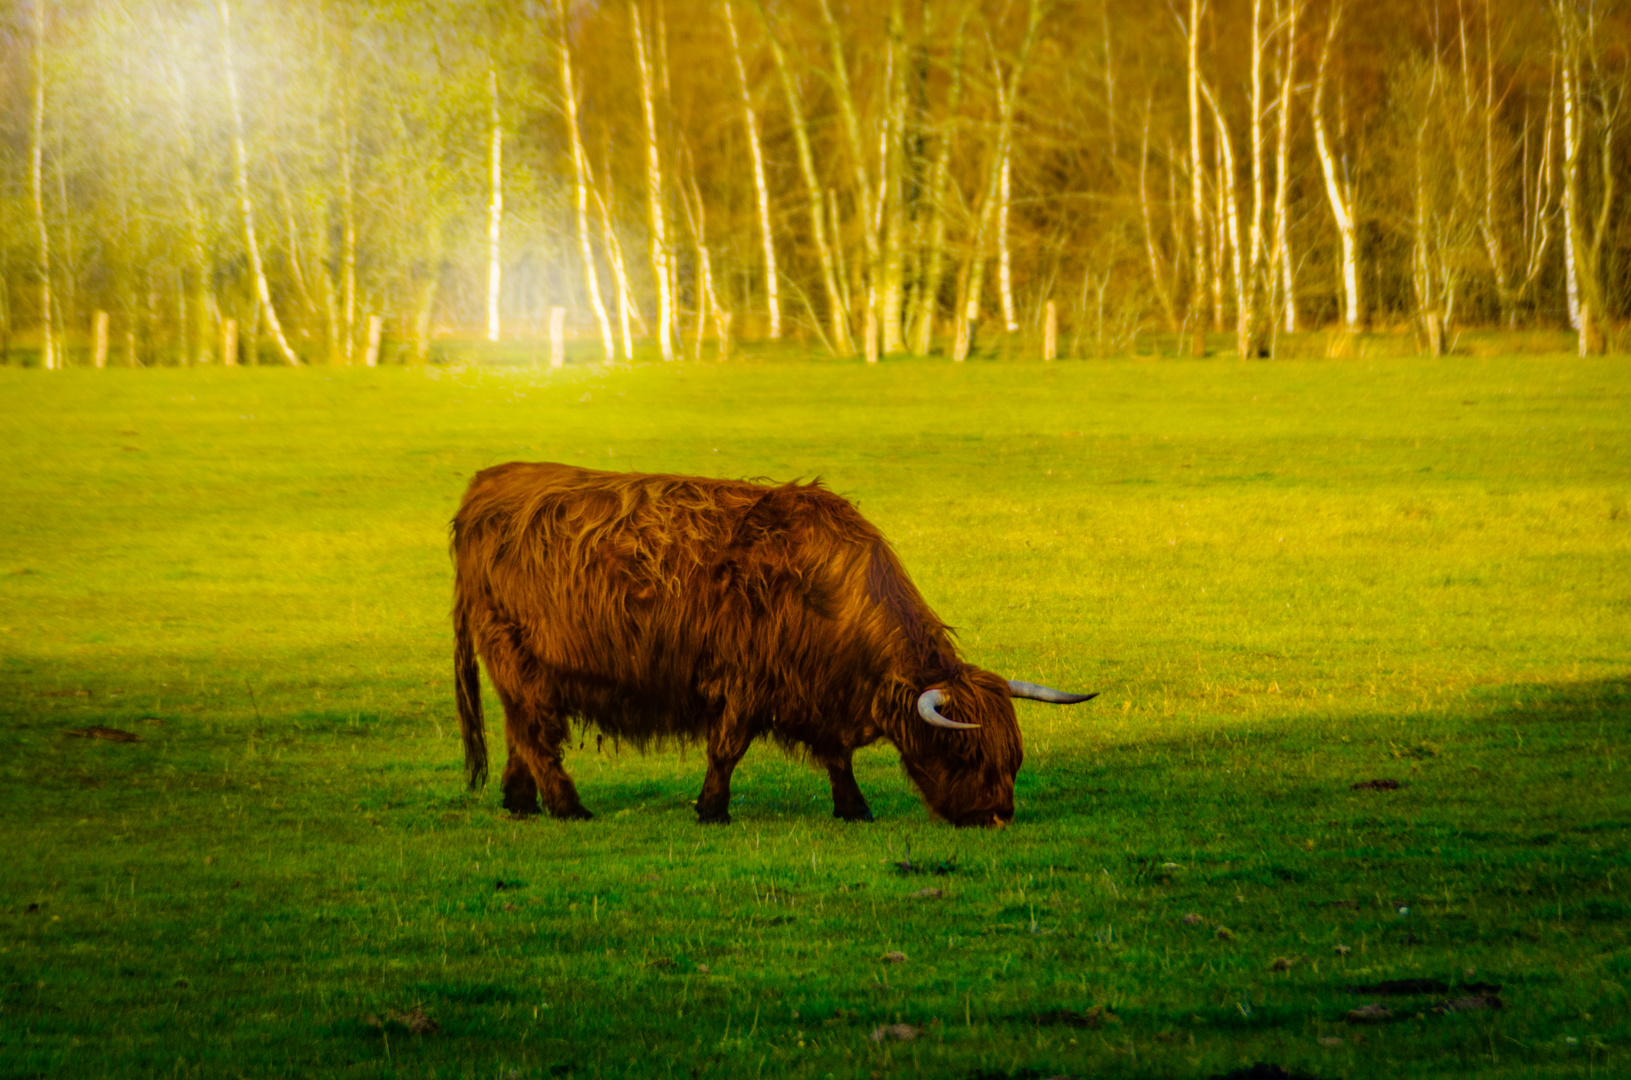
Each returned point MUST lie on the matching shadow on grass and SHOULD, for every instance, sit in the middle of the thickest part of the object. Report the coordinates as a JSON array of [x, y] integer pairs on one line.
[[1567, 703], [1511, 725]]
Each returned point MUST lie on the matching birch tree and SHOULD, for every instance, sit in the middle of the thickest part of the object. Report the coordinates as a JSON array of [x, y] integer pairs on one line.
[[1005, 257], [968, 307], [626, 307], [761, 188], [495, 202], [1338, 188], [262, 288], [1229, 219], [892, 163], [815, 202], [933, 255], [48, 352], [580, 173], [662, 265], [1248, 321], [1197, 181], [1281, 268], [864, 203], [1593, 97]]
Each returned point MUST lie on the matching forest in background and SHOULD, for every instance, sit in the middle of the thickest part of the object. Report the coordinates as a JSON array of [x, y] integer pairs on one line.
[[195, 181]]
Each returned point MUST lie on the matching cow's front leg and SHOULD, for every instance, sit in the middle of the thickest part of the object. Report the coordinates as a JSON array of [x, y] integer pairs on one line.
[[728, 739], [520, 789], [848, 803]]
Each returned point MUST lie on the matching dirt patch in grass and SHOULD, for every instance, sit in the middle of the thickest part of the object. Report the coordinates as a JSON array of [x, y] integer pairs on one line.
[[109, 734]]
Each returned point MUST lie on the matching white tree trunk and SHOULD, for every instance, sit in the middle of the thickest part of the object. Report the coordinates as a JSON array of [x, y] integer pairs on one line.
[[349, 253], [614, 250], [580, 168], [1571, 187], [199, 324], [1197, 182], [892, 162], [242, 157], [495, 207], [1422, 277], [1248, 325], [48, 350], [1230, 216], [1538, 209], [865, 207], [1220, 231], [1005, 260], [661, 260], [1337, 191], [707, 298], [1493, 240], [974, 275], [761, 188], [1281, 256]]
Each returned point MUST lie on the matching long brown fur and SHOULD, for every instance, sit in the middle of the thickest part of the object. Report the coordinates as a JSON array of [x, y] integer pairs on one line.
[[670, 607]]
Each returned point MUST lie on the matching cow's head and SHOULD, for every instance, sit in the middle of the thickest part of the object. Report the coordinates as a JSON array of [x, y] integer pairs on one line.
[[964, 748]]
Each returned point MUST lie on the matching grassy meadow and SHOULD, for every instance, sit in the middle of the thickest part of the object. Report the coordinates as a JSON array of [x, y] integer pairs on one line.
[[1286, 578]]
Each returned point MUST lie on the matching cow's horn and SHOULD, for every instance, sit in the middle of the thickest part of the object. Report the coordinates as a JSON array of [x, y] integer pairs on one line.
[[1044, 693], [927, 707]]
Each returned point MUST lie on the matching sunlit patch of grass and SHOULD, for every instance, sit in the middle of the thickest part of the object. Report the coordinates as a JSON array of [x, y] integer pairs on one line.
[[1286, 578]]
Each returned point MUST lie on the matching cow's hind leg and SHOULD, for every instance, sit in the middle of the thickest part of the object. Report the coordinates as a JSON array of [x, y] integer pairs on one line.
[[728, 739], [535, 733], [535, 728], [847, 801]]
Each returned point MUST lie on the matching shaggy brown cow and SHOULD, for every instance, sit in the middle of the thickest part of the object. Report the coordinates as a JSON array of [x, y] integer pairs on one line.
[[672, 607]]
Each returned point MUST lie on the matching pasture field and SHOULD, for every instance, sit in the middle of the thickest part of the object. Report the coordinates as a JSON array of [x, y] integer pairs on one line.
[[1287, 578]]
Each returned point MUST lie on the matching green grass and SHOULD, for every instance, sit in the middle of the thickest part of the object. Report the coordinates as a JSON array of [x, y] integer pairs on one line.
[[1285, 577]]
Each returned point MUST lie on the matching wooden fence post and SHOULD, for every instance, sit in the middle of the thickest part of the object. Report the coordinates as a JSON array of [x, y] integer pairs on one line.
[[229, 342], [1050, 331], [99, 353]]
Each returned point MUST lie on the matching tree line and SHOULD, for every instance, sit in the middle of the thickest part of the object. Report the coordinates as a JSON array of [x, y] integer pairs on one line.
[[196, 181]]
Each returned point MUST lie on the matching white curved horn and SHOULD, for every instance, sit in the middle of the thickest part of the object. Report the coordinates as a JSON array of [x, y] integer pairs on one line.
[[1036, 692], [928, 707]]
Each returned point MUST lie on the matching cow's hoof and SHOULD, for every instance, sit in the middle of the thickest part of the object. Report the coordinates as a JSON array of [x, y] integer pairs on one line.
[[574, 813], [721, 818], [864, 814], [522, 808]]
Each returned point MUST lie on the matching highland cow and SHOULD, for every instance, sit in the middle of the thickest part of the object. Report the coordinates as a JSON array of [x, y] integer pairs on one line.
[[662, 607]]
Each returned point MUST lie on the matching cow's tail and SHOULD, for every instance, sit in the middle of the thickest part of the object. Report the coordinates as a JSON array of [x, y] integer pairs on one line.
[[467, 686]]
